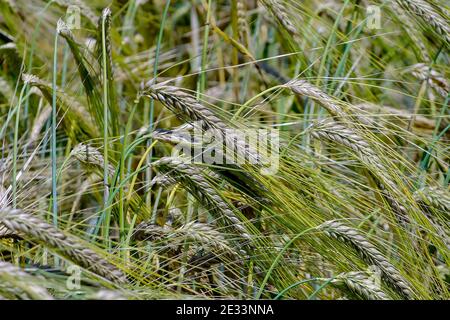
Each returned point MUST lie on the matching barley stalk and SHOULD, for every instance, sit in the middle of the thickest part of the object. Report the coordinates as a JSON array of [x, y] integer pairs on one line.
[[369, 253], [68, 246]]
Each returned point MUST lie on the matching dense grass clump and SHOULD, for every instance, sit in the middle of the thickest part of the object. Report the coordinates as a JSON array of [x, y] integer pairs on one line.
[[105, 173]]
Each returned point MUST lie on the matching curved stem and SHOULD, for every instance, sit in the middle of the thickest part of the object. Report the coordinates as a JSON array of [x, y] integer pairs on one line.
[[277, 259], [250, 101], [281, 294]]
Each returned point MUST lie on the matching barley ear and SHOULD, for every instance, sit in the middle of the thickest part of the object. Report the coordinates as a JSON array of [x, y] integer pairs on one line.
[[369, 253], [68, 246]]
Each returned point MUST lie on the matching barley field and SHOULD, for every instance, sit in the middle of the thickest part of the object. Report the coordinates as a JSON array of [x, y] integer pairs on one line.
[[225, 149]]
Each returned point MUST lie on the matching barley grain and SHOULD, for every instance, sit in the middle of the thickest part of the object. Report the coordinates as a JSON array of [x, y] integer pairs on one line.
[[337, 133], [435, 197], [280, 13], [429, 16], [192, 178], [91, 158], [18, 282], [369, 253], [68, 246], [332, 105], [359, 283], [189, 109], [435, 80]]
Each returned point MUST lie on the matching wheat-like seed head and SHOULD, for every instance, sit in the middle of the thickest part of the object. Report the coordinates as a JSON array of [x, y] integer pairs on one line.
[[369, 253], [359, 283], [183, 105], [16, 282], [193, 231], [69, 104], [63, 29], [280, 13], [151, 232], [91, 157], [242, 22], [334, 132], [106, 17], [435, 197], [204, 234], [332, 105], [162, 180], [189, 109], [68, 246], [191, 176], [411, 30], [429, 15], [435, 80], [340, 134]]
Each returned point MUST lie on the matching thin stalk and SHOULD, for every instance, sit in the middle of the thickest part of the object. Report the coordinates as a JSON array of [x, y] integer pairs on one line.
[[105, 127], [251, 100], [296, 284], [33, 46], [148, 172], [278, 258], [15, 151], [122, 171], [54, 199], [313, 295], [202, 78]]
